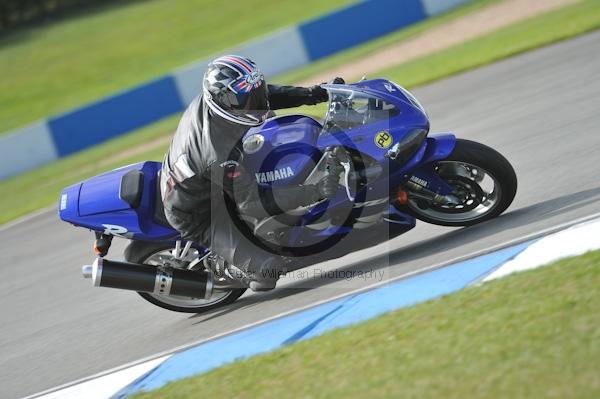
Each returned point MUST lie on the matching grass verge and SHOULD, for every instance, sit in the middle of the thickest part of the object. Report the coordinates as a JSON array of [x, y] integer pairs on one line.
[[542, 30], [40, 187], [531, 335], [59, 65], [365, 50], [538, 31]]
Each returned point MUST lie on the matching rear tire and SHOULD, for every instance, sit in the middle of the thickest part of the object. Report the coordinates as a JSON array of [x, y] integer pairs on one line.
[[142, 251], [469, 154]]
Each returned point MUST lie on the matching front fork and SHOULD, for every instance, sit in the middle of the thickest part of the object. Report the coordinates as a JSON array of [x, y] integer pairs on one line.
[[411, 189], [420, 178]]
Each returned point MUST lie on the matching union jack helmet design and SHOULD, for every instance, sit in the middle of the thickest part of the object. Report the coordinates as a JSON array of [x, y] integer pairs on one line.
[[235, 89]]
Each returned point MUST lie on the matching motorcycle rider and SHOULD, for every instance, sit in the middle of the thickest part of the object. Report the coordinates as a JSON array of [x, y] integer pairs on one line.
[[202, 173]]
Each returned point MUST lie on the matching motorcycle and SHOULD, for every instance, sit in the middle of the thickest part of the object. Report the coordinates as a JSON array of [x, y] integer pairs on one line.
[[391, 173]]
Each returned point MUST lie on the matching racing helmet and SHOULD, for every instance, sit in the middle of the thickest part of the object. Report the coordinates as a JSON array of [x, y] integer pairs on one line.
[[235, 89]]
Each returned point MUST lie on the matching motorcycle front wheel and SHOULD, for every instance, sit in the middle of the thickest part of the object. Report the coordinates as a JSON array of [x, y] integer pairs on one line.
[[157, 254], [483, 183]]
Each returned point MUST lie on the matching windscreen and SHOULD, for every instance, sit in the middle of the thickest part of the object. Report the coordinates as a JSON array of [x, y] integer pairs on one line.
[[350, 109]]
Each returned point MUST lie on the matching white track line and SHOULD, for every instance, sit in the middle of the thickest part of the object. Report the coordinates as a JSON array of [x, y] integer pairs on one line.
[[105, 386], [461, 258]]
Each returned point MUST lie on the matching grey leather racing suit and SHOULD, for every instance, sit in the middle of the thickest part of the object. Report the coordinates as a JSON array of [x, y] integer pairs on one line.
[[202, 172]]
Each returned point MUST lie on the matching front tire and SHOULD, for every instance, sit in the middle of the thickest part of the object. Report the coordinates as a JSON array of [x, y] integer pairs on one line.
[[481, 177], [153, 253]]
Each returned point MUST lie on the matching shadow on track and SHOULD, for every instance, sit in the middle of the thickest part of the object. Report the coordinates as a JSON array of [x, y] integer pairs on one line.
[[453, 239]]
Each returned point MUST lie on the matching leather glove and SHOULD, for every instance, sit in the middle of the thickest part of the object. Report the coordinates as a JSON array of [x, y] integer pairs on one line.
[[318, 94]]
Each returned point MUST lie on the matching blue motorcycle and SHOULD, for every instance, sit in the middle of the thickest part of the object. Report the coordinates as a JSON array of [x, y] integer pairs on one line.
[[391, 172]]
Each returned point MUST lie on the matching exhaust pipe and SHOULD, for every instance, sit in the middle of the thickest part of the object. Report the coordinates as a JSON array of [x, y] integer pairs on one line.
[[146, 278]]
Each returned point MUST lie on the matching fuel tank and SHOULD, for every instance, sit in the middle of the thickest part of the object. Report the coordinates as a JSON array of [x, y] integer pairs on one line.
[[283, 150]]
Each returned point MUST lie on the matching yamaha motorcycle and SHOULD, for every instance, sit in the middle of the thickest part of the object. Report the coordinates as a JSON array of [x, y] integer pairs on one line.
[[391, 172]]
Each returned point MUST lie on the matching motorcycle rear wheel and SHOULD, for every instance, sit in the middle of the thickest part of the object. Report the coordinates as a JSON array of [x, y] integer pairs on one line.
[[154, 254], [481, 177]]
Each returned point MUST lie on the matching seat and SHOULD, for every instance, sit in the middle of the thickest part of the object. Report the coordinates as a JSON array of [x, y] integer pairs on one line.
[[159, 210], [131, 188]]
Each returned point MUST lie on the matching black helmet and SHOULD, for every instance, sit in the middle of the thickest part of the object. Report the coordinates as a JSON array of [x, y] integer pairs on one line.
[[235, 89]]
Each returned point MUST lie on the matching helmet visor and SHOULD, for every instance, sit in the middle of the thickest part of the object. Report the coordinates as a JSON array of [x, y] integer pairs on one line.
[[249, 101]]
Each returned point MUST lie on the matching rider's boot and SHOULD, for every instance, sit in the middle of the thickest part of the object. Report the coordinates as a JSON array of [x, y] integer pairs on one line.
[[262, 285], [264, 279]]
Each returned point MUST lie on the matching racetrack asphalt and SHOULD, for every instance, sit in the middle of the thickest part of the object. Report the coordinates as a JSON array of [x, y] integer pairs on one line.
[[539, 109]]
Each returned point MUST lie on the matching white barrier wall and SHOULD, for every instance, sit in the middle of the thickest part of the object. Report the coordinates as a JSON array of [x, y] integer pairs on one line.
[[26, 148]]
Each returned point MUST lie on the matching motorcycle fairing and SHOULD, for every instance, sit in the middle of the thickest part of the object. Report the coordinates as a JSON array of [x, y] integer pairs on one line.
[[97, 204], [293, 143]]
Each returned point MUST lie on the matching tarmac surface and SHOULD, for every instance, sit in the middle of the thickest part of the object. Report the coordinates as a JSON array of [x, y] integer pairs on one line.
[[539, 109]]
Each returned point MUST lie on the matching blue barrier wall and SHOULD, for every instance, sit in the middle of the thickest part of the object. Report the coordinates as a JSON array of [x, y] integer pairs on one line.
[[357, 24], [281, 51], [115, 115]]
